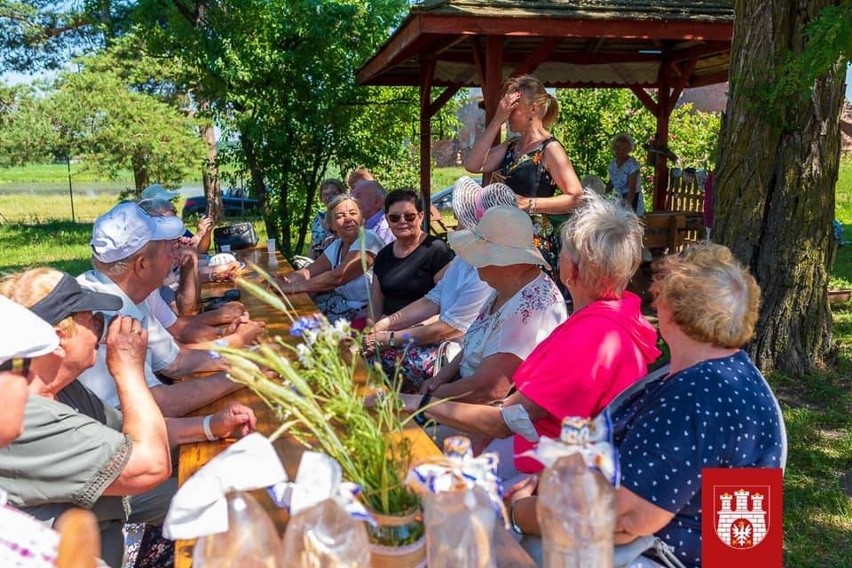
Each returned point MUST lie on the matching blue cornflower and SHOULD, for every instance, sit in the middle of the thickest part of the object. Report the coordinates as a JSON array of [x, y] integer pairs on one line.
[[305, 323]]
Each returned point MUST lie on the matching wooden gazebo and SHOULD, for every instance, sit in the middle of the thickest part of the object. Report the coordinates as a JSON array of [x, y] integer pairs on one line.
[[659, 45]]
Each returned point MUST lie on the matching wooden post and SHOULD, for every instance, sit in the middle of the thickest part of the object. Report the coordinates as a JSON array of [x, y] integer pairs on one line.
[[493, 80], [661, 171], [427, 70]]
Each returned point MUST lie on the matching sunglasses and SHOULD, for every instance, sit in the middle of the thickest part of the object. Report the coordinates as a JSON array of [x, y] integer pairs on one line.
[[19, 366], [396, 217]]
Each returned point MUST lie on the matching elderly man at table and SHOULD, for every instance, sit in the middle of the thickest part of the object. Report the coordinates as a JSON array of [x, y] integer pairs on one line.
[[229, 324], [371, 199], [132, 252]]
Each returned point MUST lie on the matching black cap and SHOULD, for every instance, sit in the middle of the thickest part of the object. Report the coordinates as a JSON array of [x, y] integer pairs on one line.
[[68, 298]]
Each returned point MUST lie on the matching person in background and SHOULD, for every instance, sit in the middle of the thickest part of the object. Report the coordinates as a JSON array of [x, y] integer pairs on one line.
[[712, 409], [337, 280], [371, 199], [533, 164], [321, 235], [406, 269], [358, 174], [625, 174], [75, 450], [203, 233]]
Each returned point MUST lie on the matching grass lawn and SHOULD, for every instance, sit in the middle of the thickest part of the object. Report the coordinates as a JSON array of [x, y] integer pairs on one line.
[[817, 408]]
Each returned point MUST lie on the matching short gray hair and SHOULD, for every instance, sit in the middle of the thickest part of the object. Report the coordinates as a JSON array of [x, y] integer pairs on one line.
[[119, 267], [334, 203], [604, 240], [623, 137]]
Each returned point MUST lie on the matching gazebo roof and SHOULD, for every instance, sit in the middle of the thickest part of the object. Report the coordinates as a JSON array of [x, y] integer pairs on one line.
[[576, 43]]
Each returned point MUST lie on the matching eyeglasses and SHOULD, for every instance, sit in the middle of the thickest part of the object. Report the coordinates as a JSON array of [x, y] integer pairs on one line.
[[396, 217], [19, 366]]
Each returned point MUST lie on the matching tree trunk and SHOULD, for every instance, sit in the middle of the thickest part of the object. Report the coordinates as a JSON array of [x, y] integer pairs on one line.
[[210, 169], [775, 186], [259, 185], [139, 163]]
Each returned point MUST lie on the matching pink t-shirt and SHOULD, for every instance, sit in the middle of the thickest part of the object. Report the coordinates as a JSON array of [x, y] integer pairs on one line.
[[590, 358]]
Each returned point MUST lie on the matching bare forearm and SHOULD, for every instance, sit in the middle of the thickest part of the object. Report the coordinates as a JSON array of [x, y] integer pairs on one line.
[[431, 333], [188, 396], [556, 205], [478, 156], [190, 361], [409, 316], [186, 297], [474, 390], [142, 420], [185, 430], [474, 419]]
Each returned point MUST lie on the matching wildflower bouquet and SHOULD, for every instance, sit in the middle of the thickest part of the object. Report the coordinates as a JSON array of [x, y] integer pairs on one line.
[[319, 396]]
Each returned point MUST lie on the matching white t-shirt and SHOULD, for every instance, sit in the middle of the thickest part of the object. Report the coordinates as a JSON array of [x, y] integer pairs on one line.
[[460, 294], [517, 327], [162, 348], [160, 309], [356, 291]]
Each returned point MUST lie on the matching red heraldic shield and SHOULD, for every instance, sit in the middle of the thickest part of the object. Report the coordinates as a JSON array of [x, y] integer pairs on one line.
[[741, 517]]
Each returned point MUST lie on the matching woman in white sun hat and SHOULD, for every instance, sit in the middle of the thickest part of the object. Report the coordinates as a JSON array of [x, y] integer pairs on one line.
[[524, 307]]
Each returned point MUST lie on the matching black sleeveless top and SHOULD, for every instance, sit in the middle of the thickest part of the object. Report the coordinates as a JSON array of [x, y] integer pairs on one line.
[[525, 173]]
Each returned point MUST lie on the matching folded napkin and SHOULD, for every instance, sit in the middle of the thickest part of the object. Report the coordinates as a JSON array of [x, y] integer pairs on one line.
[[200, 507], [319, 478]]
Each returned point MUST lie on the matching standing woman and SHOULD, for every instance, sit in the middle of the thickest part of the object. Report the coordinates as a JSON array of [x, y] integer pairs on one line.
[[533, 164], [624, 174]]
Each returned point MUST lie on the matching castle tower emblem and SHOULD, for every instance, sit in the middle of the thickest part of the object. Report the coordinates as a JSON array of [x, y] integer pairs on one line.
[[741, 517]]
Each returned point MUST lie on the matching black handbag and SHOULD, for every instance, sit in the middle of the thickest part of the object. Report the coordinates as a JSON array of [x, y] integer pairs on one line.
[[238, 236]]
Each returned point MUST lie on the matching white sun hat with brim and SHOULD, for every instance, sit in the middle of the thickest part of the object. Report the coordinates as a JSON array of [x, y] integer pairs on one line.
[[471, 200], [157, 191], [503, 237], [26, 335], [126, 228]]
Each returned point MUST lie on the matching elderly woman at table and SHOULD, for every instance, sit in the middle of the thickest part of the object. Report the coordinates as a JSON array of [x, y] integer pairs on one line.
[[602, 348], [707, 304], [76, 450], [427, 333], [337, 279], [523, 309], [406, 269]]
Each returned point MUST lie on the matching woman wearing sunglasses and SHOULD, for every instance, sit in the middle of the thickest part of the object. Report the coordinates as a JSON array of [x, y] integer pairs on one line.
[[408, 268]]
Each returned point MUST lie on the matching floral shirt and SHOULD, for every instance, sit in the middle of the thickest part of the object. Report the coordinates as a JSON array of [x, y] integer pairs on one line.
[[318, 232], [618, 177], [517, 326]]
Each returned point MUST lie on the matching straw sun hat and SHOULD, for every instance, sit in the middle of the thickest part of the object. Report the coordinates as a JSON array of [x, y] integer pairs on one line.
[[503, 237]]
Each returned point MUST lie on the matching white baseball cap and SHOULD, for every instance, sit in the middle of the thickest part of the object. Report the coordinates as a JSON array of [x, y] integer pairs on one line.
[[157, 191], [26, 334], [126, 228]]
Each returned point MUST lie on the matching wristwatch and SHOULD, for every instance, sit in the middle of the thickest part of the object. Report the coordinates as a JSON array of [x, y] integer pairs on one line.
[[420, 417], [391, 342]]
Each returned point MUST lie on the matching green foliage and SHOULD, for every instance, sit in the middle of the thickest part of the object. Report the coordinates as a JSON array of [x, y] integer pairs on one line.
[[828, 45], [589, 118], [280, 77], [26, 132]]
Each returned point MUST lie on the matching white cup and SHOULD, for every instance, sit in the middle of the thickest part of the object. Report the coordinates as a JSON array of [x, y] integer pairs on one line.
[[270, 246], [226, 248]]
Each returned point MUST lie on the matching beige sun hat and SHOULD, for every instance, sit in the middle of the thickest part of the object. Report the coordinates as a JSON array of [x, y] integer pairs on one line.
[[503, 237], [471, 200]]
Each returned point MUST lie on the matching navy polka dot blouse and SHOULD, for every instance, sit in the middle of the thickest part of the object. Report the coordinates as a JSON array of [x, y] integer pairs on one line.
[[717, 413]]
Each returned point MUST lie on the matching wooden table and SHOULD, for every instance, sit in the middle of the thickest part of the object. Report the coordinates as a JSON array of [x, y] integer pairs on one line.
[[194, 456]]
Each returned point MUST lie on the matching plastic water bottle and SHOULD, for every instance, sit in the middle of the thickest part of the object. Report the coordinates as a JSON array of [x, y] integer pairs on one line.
[[576, 511], [251, 540], [325, 536], [460, 521]]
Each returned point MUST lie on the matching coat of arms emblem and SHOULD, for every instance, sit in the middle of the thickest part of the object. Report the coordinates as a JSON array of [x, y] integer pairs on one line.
[[742, 515]]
